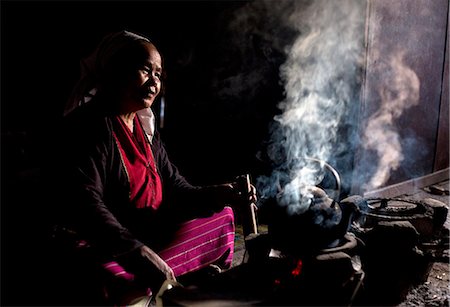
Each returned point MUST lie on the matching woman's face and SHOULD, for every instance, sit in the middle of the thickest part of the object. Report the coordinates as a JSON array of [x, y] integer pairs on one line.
[[142, 81]]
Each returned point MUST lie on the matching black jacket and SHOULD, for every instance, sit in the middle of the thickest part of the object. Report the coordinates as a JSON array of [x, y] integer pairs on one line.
[[94, 188]]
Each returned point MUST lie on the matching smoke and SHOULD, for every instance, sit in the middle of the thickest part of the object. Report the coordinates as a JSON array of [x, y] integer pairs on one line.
[[320, 74], [320, 71], [398, 92]]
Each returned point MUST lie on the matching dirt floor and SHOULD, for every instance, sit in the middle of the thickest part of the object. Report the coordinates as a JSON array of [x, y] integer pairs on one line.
[[434, 292]]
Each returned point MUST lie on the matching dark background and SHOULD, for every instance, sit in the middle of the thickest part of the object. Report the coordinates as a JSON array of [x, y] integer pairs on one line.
[[222, 89], [221, 93], [214, 118]]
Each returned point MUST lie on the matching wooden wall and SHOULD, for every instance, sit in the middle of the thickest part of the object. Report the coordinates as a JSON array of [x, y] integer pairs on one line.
[[406, 76]]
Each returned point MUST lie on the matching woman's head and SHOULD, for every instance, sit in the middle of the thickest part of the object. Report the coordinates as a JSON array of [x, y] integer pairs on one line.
[[132, 77], [125, 67]]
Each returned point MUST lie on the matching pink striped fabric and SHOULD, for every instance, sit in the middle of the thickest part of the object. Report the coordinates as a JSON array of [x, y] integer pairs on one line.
[[201, 242], [117, 270], [198, 243]]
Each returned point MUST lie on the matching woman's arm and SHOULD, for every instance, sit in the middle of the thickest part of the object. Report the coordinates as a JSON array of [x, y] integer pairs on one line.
[[192, 200], [85, 169]]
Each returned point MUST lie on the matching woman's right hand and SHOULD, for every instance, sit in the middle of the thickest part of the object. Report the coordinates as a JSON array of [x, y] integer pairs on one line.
[[158, 262]]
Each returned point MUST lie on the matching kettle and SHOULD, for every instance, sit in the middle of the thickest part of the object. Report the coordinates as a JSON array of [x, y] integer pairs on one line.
[[323, 225]]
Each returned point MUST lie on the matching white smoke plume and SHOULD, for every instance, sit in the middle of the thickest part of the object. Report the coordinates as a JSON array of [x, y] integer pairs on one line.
[[399, 92], [319, 77], [322, 42]]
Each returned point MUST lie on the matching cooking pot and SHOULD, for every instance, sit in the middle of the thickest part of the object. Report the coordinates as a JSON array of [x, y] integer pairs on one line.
[[323, 225]]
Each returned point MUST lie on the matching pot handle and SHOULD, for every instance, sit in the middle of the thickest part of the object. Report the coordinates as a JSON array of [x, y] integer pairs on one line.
[[337, 179]]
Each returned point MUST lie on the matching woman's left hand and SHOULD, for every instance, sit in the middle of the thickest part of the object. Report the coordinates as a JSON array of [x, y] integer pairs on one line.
[[231, 192]]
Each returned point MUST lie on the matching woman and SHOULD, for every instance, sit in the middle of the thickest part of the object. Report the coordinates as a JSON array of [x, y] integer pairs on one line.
[[144, 221]]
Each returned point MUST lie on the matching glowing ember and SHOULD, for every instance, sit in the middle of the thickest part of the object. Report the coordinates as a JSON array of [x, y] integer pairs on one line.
[[298, 269]]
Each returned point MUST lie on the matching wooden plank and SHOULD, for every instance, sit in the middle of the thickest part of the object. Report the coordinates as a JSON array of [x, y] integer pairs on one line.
[[409, 186]]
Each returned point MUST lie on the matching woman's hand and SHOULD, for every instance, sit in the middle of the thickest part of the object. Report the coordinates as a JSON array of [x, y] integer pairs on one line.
[[229, 194], [245, 194], [158, 262], [252, 198], [232, 193]]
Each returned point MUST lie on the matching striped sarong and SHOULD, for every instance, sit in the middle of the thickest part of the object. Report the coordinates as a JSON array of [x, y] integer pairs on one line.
[[201, 242], [197, 243]]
